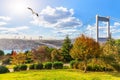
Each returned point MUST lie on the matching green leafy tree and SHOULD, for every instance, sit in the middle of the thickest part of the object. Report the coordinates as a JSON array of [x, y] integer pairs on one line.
[[1, 55], [1, 52], [28, 56], [66, 47], [85, 48]]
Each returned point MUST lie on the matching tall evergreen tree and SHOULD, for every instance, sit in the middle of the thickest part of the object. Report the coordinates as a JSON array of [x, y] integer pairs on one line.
[[66, 47]]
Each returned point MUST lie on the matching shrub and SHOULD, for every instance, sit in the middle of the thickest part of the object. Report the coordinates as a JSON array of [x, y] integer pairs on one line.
[[116, 66], [66, 67], [98, 68], [57, 65], [48, 65], [77, 64], [39, 66], [16, 68], [32, 66], [3, 69], [6, 61], [80, 65], [23, 67], [72, 63]]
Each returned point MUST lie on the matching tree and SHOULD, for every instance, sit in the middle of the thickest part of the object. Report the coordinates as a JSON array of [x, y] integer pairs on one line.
[[110, 47], [66, 47], [111, 54], [85, 48], [18, 59], [40, 54], [28, 56], [1, 53], [56, 55], [117, 42]]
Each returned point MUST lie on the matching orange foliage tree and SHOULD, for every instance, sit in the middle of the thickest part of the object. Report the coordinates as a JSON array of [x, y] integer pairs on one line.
[[56, 55], [18, 59], [85, 48], [41, 54]]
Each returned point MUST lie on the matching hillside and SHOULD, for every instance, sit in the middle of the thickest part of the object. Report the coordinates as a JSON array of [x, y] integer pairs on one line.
[[9, 44]]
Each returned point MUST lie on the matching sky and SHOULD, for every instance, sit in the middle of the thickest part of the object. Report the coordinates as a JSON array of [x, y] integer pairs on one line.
[[57, 18]]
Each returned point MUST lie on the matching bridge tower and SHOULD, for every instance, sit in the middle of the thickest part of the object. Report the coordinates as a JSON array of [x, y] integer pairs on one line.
[[106, 20]]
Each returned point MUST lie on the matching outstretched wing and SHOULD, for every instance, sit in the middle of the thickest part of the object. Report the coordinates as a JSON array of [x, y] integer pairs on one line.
[[33, 11]]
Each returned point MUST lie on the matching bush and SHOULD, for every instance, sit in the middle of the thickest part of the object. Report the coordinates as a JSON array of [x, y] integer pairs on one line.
[[20, 67], [39, 66], [6, 61], [3, 69], [72, 63], [116, 66], [16, 68], [57, 65], [32, 66], [66, 67], [48, 65], [23, 67], [98, 68], [80, 65], [28, 61], [76, 64]]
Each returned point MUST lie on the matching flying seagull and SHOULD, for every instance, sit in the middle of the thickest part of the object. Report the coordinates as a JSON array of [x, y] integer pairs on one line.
[[33, 11]]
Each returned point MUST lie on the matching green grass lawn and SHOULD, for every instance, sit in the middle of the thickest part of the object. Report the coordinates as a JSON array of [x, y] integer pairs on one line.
[[59, 75]]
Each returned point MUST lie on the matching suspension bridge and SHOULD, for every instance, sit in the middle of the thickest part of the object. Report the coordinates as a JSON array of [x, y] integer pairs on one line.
[[102, 28]]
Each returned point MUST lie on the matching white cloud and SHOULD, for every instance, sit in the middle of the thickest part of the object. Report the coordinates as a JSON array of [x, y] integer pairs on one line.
[[63, 32], [2, 23], [5, 18], [13, 30], [58, 17], [115, 28], [116, 24]]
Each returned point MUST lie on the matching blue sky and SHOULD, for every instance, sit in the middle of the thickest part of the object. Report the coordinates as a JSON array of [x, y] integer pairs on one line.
[[57, 18]]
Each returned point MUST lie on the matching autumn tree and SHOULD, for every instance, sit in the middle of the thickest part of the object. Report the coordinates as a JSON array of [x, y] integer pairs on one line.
[[110, 47], [66, 47], [117, 42], [111, 54], [85, 48], [19, 58], [56, 55], [40, 54]]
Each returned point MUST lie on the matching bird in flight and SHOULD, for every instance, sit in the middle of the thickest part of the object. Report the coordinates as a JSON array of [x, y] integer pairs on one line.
[[33, 12]]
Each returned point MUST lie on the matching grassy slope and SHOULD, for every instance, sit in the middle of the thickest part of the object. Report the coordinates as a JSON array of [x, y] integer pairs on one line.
[[59, 75]]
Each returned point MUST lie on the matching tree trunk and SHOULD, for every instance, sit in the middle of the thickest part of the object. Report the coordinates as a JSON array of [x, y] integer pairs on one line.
[[85, 66]]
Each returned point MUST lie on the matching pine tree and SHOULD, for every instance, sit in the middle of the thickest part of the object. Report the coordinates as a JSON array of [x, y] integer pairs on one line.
[[66, 49]]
